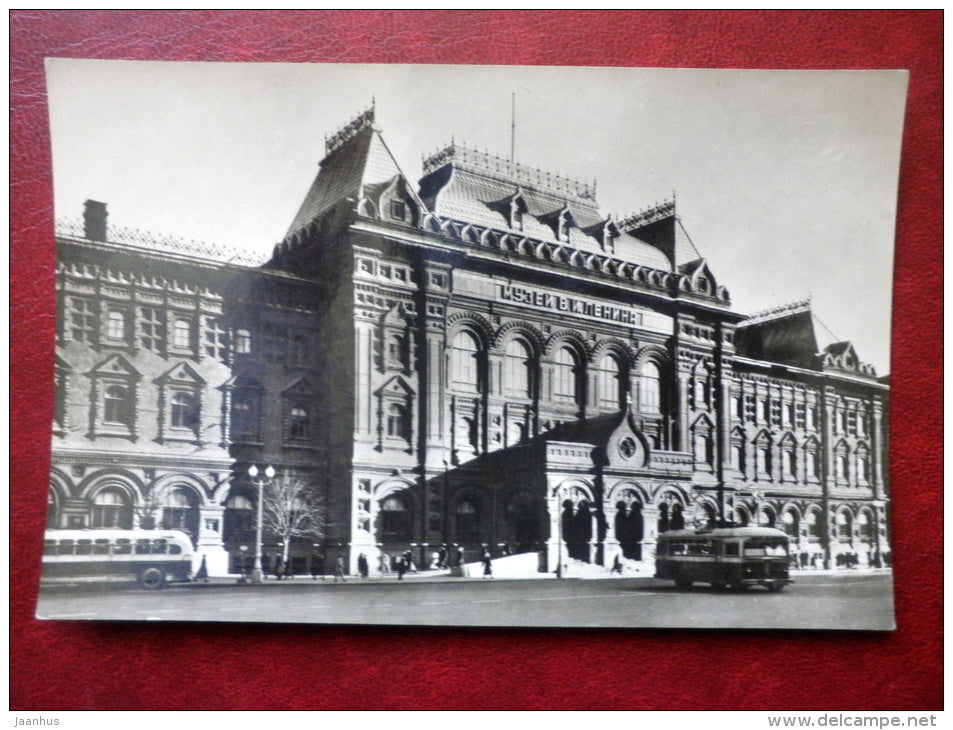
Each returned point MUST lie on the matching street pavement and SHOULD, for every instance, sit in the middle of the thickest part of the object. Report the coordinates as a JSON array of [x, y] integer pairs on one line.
[[816, 600]]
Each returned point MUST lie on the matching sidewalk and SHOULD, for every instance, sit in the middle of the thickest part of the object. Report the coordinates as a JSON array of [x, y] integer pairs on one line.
[[476, 574]]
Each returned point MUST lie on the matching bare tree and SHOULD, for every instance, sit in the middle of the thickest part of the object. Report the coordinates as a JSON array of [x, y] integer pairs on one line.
[[293, 508]]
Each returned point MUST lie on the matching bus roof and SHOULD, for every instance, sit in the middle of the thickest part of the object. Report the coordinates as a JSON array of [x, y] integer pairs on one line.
[[107, 534], [724, 532]]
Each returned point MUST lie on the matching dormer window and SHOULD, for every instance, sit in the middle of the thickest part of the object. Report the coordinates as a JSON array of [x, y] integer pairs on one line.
[[517, 218], [398, 210]]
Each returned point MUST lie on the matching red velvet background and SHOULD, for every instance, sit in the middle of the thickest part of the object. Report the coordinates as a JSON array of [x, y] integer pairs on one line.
[[67, 665]]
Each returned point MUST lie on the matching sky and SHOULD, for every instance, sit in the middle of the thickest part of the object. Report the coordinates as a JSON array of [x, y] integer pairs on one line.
[[786, 181]]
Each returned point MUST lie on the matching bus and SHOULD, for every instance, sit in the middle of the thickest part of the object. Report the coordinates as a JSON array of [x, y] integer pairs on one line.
[[735, 557], [152, 557]]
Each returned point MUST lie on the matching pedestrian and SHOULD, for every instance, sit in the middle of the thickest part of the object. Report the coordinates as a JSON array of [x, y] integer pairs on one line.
[[265, 565], [279, 566], [362, 565], [202, 575], [317, 565], [339, 569], [616, 565], [409, 562], [289, 568], [487, 564], [442, 557], [385, 564]]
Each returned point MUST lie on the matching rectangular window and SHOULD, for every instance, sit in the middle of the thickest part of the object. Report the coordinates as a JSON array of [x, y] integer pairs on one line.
[[275, 343], [398, 210], [299, 354], [182, 333], [82, 320], [216, 339], [800, 416], [852, 422], [151, 329], [750, 413], [116, 325], [812, 417], [242, 342]]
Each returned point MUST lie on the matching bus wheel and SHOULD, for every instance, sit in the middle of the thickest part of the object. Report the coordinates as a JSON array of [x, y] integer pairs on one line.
[[151, 578], [683, 583], [775, 587]]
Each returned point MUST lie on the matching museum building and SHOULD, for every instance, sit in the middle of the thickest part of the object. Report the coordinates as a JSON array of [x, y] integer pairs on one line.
[[484, 360]]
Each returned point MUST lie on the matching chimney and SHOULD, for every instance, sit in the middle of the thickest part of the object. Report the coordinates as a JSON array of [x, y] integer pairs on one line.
[[94, 218]]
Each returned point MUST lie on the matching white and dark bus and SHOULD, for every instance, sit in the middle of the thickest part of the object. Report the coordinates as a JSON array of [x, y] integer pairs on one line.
[[152, 557], [735, 557]]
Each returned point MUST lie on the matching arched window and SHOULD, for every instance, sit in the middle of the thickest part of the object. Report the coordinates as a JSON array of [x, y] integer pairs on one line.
[[181, 512], [184, 411], [844, 527], [467, 521], [52, 510], [239, 517], [866, 527], [609, 385], [111, 509], [789, 523], [398, 422], [517, 368], [396, 520], [464, 361], [116, 405], [567, 375], [649, 388], [813, 524]]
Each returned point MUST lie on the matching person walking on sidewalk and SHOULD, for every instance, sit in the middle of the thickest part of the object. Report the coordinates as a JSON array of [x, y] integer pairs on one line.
[[487, 563], [339, 569]]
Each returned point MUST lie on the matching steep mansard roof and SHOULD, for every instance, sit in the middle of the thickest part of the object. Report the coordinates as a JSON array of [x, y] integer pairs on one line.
[[471, 186], [357, 158], [789, 335]]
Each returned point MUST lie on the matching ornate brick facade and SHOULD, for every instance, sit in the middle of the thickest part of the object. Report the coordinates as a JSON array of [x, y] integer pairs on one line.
[[482, 360]]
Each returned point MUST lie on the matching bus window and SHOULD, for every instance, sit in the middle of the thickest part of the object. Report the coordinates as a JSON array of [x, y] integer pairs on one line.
[[765, 546], [123, 546], [84, 547], [66, 547], [700, 548], [175, 550], [158, 547], [679, 548], [732, 549], [49, 547], [142, 547], [101, 547]]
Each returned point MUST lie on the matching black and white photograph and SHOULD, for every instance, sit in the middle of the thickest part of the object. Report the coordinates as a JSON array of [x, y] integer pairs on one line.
[[472, 345]]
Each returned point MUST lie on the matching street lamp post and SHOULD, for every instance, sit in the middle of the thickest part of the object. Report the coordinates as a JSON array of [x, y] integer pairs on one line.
[[256, 575]]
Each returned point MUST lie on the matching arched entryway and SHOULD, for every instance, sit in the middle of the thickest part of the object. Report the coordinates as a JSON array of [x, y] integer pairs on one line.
[[629, 524], [523, 532]]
